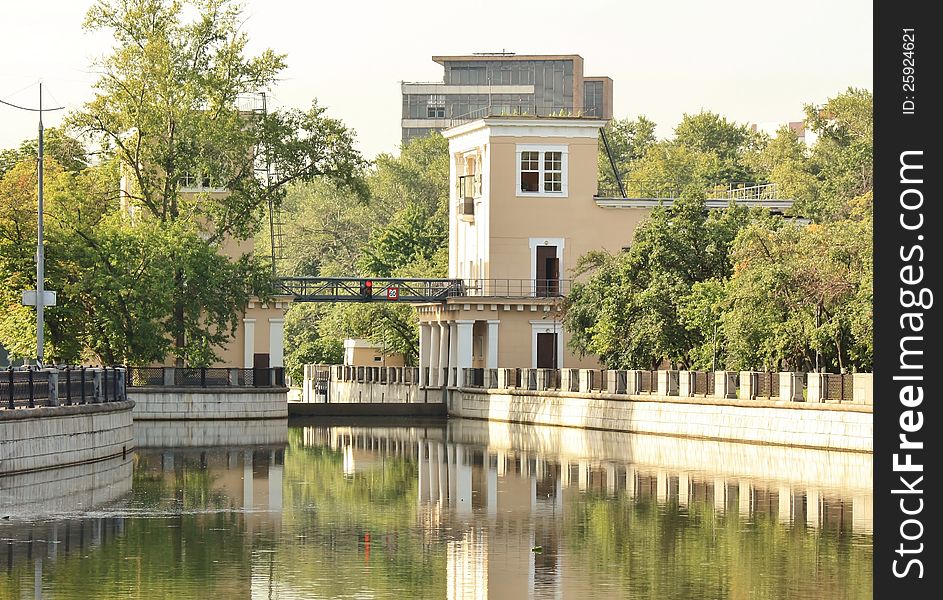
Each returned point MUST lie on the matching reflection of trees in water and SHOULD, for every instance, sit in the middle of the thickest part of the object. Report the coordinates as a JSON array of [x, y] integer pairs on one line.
[[187, 484], [327, 509], [674, 551]]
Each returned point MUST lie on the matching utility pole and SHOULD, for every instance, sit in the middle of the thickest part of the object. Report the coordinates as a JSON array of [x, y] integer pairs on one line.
[[40, 254], [38, 296]]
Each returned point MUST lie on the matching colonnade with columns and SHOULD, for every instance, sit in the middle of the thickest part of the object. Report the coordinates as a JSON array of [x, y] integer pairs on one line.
[[448, 344]]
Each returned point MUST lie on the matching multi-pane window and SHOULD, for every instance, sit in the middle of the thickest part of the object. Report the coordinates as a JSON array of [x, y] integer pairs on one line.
[[553, 171], [542, 171], [435, 107], [192, 181], [530, 171]]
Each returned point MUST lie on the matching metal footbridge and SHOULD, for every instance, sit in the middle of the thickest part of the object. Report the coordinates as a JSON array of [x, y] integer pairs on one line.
[[369, 289]]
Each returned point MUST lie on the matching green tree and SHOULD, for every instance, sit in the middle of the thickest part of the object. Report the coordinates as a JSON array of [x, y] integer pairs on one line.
[[57, 145], [843, 156], [304, 342], [628, 140], [798, 292], [401, 231], [629, 310], [170, 105]]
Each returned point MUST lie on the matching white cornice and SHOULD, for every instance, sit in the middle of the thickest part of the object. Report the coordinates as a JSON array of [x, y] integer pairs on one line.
[[530, 127]]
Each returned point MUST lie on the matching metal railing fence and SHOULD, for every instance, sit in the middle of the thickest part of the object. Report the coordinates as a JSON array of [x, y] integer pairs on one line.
[[32, 387]]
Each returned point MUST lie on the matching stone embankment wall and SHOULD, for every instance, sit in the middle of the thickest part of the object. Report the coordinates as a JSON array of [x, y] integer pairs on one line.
[[813, 410], [58, 436], [829, 426], [183, 403]]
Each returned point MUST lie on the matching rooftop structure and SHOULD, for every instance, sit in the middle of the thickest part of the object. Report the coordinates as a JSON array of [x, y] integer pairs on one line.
[[489, 84]]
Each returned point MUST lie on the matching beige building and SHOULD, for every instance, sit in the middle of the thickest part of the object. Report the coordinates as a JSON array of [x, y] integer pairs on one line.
[[523, 209], [359, 352], [259, 338]]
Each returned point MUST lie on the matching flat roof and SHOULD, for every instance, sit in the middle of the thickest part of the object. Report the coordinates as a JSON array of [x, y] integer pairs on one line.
[[503, 57], [531, 120]]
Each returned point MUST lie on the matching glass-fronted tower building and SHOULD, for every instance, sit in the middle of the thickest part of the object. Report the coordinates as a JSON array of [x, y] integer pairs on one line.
[[495, 84]]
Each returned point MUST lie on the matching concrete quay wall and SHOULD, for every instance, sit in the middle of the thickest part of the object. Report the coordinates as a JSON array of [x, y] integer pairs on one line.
[[827, 426], [53, 437], [185, 403], [352, 392]]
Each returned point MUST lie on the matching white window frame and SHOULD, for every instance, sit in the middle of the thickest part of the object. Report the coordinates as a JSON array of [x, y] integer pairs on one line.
[[542, 149], [436, 104], [197, 183]]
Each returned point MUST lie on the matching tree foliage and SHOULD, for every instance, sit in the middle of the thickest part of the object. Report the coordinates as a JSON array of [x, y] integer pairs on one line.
[[401, 231], [628, 141], [738, 291], [146, 267], [630, 311]]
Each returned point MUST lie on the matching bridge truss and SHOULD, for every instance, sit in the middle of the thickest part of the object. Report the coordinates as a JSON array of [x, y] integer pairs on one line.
[[371, 289]]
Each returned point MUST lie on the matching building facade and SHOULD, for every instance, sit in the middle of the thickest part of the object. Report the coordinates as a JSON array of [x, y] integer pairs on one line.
[[503, 83], [258, 342], [524, 207]]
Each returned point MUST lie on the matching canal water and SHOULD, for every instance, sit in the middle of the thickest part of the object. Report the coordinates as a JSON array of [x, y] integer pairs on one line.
[[464, 509]]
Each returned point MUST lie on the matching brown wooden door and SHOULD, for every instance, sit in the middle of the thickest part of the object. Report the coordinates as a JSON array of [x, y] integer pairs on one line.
[[260, 372], [547, 271], [546, 351]]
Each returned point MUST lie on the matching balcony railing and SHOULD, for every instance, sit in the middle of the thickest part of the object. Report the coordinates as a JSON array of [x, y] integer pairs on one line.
[[731, 190], [517, 288], [524, 109]]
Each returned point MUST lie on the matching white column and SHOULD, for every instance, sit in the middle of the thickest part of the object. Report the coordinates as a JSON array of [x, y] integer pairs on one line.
[[720, 496], [684, 489], [425, 334], [276, 342], [812, 505], [463, 348], [453, 349], [444, 362], [491, 358], [661, 487], [248, 357], [785, 504], [434, 354]]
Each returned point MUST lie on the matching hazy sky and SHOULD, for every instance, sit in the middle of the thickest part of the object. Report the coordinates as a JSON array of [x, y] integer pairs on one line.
[[750, 60]]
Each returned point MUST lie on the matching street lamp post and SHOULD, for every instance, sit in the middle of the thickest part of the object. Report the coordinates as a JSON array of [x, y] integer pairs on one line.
[[39, 292]]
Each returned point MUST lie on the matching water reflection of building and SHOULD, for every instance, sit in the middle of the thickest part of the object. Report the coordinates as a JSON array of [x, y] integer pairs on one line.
[[496, 497], [48, 542], [249, 479], [37, 507]]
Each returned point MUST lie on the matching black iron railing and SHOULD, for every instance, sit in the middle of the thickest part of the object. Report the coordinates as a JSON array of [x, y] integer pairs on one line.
[[839, 387], [31, 387], [366, 289], [205, 377], [517, 288], [741, 191]]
